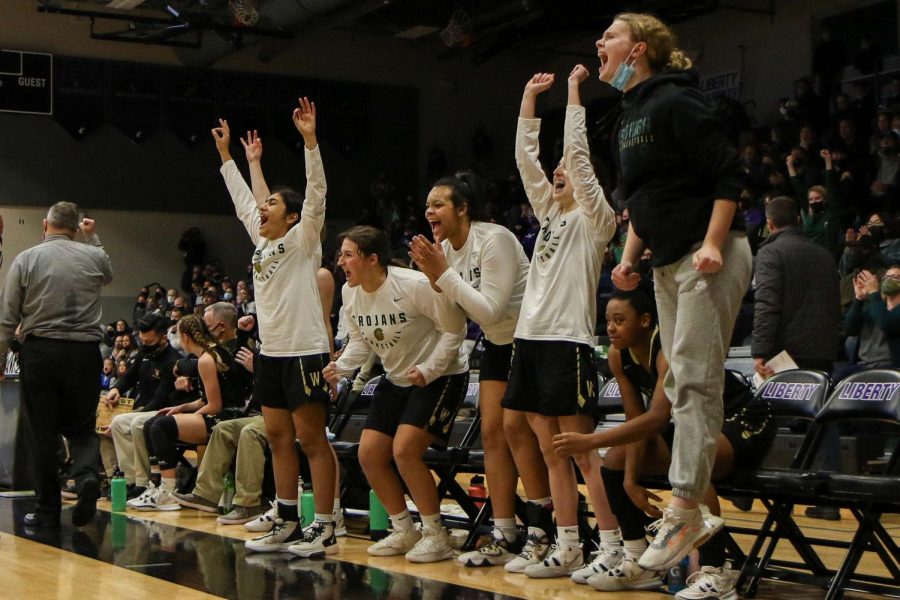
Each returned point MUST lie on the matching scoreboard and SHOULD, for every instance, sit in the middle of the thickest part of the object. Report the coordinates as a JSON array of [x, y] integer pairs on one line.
[[26, 82]]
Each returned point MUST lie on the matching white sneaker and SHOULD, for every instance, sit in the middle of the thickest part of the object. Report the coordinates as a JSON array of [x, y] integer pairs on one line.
[[148, 491], [282, 535], [675, 539], [398, 542], [604, 559], [340, 530], [263, 522], [561, 561], [710, 583], [315, 543], [433, 547], [159, 499], [533, 552], [496, 552], [628, 575]]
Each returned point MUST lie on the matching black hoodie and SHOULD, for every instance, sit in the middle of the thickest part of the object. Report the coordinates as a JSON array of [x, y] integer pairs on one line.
[[674, 161]]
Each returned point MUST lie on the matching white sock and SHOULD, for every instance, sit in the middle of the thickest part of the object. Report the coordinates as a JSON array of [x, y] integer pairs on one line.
[[506, 527], [683, 514], [286, 502], [401, 521], [337, 505], [542, 502], [168, 484], [634, 548], [568, 536], [432, 522], [610, 539]]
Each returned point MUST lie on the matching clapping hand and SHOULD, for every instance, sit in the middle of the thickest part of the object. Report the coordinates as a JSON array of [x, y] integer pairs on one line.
[[429, 257]]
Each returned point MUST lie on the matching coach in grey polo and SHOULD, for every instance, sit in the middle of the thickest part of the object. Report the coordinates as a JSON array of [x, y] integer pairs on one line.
[[52, 293]]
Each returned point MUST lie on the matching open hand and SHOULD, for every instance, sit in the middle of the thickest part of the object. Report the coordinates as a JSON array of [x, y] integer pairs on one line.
[[252, 146], [244, 357], [428, 256], [641, 497], [305, 117]]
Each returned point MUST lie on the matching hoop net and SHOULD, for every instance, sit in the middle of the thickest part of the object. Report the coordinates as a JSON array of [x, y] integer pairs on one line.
[[458, 29], [244, 12]]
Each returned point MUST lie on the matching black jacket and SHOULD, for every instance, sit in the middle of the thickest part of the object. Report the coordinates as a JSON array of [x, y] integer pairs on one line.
[[152, 379], [674, 161], [797, 306]]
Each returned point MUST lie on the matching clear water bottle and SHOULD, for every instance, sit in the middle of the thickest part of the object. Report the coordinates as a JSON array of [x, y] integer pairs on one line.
[[228, 491]]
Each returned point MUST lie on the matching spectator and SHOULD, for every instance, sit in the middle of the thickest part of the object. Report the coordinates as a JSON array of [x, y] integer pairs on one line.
[[152, 377], [872, 247], [872, 317], [819, 206], [108, 374], [885, 176], [796, 307]]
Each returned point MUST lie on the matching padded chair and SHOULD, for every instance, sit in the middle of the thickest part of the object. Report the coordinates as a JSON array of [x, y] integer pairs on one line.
[[871, 401], [796, 395]]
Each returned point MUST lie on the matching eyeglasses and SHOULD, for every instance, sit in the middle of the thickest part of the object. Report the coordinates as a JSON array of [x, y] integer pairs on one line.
[[871, 224], [893, 277]]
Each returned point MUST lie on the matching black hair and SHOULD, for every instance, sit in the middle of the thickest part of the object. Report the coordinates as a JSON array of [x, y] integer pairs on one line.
[[370, 240], [640, 299], [782, 211], [466, 189], [293, 201], [156, 323]]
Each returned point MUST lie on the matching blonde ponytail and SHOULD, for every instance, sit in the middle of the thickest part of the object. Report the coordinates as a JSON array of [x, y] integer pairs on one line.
[[662, 51]]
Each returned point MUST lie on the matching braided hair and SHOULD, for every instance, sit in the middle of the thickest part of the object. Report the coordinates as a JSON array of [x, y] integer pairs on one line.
[[194, 328]]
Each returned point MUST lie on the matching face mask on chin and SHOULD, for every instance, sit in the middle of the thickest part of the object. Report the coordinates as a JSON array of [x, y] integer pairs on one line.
[[623, 73]]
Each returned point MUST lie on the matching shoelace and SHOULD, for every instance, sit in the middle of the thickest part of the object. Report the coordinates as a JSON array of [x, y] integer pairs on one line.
[[311, 533], [528, 549], [663, 526]]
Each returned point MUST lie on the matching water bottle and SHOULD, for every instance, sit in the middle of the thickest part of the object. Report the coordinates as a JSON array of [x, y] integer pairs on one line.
[[477, 491], [378, 518], [118, 490], [307, 506], [155, 475], [675, 580], [228, 489]]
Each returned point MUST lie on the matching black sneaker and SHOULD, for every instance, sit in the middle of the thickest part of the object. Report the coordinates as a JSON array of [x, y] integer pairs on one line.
[[86, 506]]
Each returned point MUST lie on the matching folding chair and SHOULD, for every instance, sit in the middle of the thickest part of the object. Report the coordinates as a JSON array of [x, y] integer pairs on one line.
[[871, 400]]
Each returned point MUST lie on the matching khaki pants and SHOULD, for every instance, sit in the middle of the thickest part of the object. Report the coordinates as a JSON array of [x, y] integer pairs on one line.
[[108, 455], [246, 438], [131, 449], [697, 312]]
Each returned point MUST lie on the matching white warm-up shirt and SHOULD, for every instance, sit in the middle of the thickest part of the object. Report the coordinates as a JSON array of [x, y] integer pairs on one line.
[[408, 325], [288, 308], [487, 279], [560, 298]]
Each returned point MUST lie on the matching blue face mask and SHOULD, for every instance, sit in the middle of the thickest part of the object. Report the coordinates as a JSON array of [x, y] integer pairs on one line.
[[227, 296], [623, 74]]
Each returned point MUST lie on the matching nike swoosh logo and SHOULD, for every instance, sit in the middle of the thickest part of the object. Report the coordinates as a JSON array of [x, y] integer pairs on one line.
[[398, 299]]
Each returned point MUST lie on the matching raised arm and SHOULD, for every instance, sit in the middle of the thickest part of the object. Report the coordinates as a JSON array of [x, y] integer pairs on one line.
[[312, 217], [588, 194], [245, 204], [253, 149], [88, 229], [537, 187]]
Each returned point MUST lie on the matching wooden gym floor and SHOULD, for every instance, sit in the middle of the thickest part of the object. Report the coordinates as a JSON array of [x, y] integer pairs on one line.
[[186, 555]]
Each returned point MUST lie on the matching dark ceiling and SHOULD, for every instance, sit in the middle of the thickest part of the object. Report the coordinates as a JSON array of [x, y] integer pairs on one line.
[[478, 29]]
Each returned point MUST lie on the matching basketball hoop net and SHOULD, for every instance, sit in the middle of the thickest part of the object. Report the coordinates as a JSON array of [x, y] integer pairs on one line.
[[458, 30], [244, 12]]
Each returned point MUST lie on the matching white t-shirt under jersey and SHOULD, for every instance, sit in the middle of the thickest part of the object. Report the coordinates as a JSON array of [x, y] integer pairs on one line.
[[408, 325], [487, 279], [288, 308], [560, 298]]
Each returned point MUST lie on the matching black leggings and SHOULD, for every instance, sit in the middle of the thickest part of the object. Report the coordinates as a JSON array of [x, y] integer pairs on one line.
[[162, 435], [632, 520]]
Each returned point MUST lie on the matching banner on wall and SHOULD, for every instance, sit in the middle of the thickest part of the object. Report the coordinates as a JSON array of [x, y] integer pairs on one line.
[[726, 84]]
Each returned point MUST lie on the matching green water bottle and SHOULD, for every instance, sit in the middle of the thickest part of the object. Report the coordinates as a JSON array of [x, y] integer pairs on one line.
[[307, 506], [118, 490], [378, 518], [228, 490]]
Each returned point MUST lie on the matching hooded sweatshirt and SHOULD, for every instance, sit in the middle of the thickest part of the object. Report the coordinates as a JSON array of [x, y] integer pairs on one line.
[[674, 161]]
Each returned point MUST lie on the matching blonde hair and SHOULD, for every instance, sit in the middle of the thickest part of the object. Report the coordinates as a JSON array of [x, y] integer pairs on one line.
[[662, 51], [194, 327]]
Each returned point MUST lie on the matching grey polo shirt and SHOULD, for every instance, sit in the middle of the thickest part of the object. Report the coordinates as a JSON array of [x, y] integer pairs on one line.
[[53, 291]]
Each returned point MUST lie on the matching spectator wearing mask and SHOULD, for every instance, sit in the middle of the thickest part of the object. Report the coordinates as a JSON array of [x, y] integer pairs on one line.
[[819, 206], [872, 247], [874, 317], [796, 305], [152, 377]]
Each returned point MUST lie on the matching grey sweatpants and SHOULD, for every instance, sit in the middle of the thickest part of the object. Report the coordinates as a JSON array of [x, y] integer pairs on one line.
[[697, 312]]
